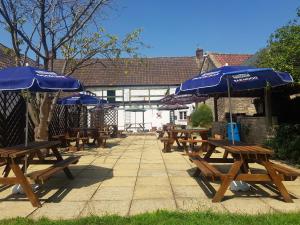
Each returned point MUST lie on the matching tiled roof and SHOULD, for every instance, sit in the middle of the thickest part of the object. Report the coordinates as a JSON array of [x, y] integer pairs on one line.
[[220, 59], [6, 57], [129, 72], [146, 71]]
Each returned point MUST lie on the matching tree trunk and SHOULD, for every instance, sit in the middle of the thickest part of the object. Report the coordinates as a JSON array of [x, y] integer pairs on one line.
[[41, 131]]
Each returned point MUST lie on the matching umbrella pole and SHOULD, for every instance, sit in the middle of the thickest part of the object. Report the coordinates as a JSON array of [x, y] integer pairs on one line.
[[27, 120], [230, 111]]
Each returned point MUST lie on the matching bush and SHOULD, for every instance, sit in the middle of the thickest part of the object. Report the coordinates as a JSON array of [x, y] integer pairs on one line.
[[202, 116], [286, 143]]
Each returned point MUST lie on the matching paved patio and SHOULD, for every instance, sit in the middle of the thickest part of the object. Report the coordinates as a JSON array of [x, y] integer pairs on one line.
[[133, 176]]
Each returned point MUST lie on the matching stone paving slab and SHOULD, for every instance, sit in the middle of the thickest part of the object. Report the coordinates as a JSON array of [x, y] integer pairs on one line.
[[153, 192], [199, 204], [131, 177], [157, 181], [247, 206], [106, 207], [113, 193], [151, 205], [61, 210]]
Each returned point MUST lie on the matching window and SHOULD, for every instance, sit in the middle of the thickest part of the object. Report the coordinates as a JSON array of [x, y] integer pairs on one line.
[[111, 96], [182, 115]]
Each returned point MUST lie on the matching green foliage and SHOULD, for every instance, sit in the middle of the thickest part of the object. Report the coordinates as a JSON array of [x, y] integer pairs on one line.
[[286, 142], [174, 218], [283, 50], [202, 116]]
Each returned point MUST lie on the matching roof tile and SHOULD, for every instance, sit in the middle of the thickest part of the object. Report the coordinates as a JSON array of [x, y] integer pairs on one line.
[[146, 71]]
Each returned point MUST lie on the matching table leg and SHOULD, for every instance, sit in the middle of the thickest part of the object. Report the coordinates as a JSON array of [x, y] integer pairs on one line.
[[104, 143], [210, 151], [175, 137], [245, 167], [100, 141], [277, 181], [25, 184], [178, 144], [204, 146], [6, 170], [225, 155], [60, 158], [226, 180]]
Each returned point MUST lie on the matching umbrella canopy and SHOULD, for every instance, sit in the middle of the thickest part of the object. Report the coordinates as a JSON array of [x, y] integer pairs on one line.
[[240, 78], [81, 99], [36, 80], [233, 78], [172, 107], [182, 99]]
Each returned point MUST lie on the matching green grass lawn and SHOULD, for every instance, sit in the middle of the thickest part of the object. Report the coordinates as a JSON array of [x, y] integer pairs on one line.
[[171, 218]]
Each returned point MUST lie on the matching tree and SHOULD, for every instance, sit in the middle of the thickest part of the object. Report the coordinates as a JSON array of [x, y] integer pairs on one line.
[[283, 49], [67, 29], [202, 116]]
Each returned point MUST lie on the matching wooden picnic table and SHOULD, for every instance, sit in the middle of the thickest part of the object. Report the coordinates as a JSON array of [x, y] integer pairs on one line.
[[20, 155], [242, 155], [186, 134], [191, 143], [84, 133]]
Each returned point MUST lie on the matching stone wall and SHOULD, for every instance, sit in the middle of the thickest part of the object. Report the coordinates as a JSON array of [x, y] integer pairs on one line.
[[219, 128], [253, 129], [239, 105]]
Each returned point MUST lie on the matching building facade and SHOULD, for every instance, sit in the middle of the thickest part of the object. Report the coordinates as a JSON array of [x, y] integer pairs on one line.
[[137, 85]]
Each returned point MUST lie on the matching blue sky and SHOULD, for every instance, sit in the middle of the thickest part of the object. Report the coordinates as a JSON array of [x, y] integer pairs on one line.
[[177, 28]]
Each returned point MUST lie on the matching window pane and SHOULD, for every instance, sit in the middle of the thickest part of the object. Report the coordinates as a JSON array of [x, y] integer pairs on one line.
[[111, 96]]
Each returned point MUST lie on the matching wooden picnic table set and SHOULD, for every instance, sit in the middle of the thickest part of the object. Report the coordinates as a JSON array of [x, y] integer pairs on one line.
[[242, 156], [239, 157], [184, 138], [81, 136], [16, 159]]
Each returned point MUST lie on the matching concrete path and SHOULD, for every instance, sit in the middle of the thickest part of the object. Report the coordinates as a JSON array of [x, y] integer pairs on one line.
[[133, 176]]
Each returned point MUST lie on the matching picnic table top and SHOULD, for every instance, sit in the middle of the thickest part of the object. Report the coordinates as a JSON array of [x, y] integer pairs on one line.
[[191, 140], [192, 130], [240, 147], [21, 150], [85, 128]]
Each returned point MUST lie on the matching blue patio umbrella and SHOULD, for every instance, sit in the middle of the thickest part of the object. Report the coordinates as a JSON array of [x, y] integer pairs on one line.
[[81, 99], [233, 78], [35, 80]]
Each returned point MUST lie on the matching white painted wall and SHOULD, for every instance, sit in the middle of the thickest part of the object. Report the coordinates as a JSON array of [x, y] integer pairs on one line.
[[152, 117], [189, 111]]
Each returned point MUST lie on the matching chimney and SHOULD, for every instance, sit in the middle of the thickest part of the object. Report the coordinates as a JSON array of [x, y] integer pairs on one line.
[[199, 53]]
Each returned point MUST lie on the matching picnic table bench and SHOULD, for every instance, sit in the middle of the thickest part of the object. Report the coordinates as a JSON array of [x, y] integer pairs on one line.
[[243, 155], [186, 134], [192, 143], [168, 142], [82, 136], [20, 155], [120, 133]]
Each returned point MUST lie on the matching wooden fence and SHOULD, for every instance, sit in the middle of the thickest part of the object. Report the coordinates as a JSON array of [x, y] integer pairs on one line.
[[13, 119]]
